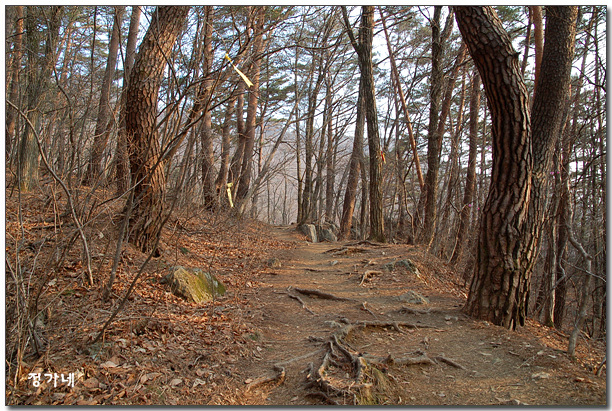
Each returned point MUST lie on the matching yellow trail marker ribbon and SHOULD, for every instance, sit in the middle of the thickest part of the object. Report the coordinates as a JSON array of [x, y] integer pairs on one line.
[[229, 194], [245, 78]]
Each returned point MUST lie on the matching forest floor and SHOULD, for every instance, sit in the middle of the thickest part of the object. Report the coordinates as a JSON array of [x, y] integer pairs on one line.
[[301, 324]]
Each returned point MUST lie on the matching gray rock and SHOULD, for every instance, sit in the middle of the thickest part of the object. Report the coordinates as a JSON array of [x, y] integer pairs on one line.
[[193, 285], [405, 263], [408, 265], [334, 228], [326, 234], [274, 263], [412, 297], [309, 231], [389, 266]]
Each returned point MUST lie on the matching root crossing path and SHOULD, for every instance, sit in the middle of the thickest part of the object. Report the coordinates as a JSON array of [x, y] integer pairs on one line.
[[366, 323]]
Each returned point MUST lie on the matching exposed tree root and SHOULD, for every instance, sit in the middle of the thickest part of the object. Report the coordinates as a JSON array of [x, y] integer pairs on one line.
[[301, 357], [346, 250], [599, 368], [364, 307], [368, 381], [448, 361], [323, 396], [320, 294], [370, 243], [392, 324], [390, 360], [295, 297], [368, 275], [408, 310], [345, 376], [279, 378]]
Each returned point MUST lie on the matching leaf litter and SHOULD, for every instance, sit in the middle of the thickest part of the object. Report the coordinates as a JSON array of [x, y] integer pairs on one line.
[[164, 351]]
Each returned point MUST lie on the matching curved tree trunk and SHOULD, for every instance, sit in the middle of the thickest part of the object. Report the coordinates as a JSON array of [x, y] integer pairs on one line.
[[499, 291], [140, 120]]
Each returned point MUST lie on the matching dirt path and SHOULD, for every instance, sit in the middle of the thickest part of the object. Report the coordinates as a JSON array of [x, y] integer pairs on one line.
[[462, 361]]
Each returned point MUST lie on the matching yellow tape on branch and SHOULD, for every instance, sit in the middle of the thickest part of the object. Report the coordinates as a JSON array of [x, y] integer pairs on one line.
[[229, 194], [245, 78]]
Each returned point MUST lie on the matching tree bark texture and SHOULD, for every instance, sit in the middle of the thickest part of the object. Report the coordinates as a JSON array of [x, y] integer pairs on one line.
[[141, 124], [499, 291], [538, 35]]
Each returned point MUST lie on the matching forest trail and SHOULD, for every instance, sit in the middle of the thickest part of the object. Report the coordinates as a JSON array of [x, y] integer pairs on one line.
[[470, 362], [162, 350]]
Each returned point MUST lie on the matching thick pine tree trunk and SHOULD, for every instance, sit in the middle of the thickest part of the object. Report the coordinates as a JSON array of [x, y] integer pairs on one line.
[[140, 120], [499, 291]]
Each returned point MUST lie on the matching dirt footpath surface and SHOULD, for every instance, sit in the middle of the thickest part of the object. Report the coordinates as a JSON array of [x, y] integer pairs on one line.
[[335, 326]]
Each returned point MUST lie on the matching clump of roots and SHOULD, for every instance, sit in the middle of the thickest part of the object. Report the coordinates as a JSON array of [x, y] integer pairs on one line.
[[345, 377]]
